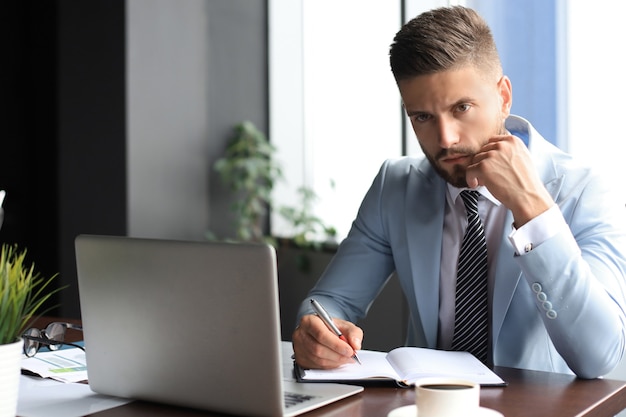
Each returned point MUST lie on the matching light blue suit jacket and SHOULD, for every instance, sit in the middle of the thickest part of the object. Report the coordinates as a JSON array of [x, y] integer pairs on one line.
[[560, 307]]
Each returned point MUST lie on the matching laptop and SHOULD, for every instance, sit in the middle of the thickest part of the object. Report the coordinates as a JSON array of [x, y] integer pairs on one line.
[[193, 324]]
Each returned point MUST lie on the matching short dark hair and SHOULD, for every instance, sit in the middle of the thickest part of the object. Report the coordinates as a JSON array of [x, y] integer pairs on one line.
[[443, 39]]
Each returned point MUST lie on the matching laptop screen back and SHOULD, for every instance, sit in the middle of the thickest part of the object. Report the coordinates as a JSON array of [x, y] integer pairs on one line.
[[187, 323]]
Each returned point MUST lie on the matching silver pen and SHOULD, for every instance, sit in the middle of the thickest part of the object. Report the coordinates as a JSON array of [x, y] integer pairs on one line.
[[323, 314]]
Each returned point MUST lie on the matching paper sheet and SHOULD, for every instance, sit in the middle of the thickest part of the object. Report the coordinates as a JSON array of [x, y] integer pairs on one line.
[[49, 398], [287, 361], [65, 365]]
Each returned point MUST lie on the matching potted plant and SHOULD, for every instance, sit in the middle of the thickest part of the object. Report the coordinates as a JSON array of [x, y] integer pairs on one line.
[[22, 292], [250, 170], [307, 228]]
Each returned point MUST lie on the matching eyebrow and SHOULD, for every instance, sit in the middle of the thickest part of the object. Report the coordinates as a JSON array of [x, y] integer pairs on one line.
[[462, 100]]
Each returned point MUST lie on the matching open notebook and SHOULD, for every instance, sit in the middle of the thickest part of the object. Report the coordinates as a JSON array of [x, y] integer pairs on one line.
[[194, 324]]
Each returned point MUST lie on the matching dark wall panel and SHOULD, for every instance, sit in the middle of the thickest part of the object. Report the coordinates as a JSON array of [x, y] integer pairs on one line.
[[92, 128], [28, 135]]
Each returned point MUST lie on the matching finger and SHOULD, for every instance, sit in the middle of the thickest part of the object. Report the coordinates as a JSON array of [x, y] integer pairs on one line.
[[498, 138], [472, 182], [316, 356], [315, 348], [472, 173], [331, 340], [478, 170], [352, 333]]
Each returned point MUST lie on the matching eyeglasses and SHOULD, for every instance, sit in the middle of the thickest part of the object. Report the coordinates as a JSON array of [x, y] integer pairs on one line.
[[52, 336]]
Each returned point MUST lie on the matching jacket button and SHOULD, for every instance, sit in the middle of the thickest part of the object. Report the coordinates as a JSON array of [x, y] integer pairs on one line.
[[536, 287], [551, 314]]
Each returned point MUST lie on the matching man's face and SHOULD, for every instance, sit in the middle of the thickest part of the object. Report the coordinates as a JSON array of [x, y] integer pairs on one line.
[[453, 114]]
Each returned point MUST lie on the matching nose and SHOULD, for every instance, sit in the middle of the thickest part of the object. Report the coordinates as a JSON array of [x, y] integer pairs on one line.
[[447, 132]]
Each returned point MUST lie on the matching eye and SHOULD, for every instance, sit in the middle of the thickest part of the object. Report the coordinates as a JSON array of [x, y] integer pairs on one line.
[[421, 117], [463, 107]]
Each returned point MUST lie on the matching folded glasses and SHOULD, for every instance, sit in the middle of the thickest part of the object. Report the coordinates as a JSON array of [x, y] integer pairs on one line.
[[53, 336]]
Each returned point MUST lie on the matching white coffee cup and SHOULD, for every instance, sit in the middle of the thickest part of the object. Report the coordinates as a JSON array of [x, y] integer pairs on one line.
[[447, 397]]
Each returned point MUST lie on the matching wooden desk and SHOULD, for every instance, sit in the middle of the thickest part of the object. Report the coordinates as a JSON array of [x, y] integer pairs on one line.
[[530, 393]]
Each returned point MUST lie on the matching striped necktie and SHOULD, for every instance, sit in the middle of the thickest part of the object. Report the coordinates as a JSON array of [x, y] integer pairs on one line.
[[471, 317]]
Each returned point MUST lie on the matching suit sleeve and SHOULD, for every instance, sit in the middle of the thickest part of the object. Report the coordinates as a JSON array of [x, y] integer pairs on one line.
[[578, 279], [363, 262]]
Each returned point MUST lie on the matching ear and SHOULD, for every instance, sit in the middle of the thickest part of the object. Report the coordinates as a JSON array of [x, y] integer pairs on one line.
[[506, 95]]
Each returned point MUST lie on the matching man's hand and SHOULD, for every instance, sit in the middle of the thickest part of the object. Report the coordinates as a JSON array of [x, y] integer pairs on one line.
[[316, 347], [504, 166]]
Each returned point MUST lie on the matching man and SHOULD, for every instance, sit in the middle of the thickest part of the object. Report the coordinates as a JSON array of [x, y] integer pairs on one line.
[[555, 237]]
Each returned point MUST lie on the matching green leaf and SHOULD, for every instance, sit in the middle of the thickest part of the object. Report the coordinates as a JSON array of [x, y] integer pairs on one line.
[[22, 293]]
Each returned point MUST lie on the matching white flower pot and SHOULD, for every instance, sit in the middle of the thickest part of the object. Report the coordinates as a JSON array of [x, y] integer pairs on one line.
[[10, 369]]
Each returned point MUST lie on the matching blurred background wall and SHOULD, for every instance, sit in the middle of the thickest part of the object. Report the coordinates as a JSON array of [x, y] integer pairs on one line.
[[113, 113]]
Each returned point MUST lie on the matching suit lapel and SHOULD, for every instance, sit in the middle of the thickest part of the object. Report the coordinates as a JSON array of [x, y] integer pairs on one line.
[[507, 276], [424, 222]]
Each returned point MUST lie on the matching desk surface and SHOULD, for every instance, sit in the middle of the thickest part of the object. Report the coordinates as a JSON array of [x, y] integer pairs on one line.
[[529, 393]]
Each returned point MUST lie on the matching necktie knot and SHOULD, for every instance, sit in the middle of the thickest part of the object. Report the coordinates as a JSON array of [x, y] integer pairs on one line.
[[470, 199]]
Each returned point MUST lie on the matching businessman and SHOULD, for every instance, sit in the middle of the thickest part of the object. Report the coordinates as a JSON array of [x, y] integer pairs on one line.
[[529, 272]]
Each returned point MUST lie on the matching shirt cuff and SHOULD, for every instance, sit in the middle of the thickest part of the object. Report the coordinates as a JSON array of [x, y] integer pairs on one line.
[[538, 230]]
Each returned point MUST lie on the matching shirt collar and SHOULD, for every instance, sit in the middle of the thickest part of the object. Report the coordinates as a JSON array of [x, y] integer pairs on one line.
[[453, 193]]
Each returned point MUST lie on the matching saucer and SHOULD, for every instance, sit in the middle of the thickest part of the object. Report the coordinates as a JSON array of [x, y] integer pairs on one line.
[[411, 411]]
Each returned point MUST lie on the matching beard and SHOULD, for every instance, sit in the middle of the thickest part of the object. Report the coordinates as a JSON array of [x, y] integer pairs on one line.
[[457, 177]]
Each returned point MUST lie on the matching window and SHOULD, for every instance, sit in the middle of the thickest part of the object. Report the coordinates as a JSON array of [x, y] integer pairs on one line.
[[335, 112], [529, 38], [596, 86]]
